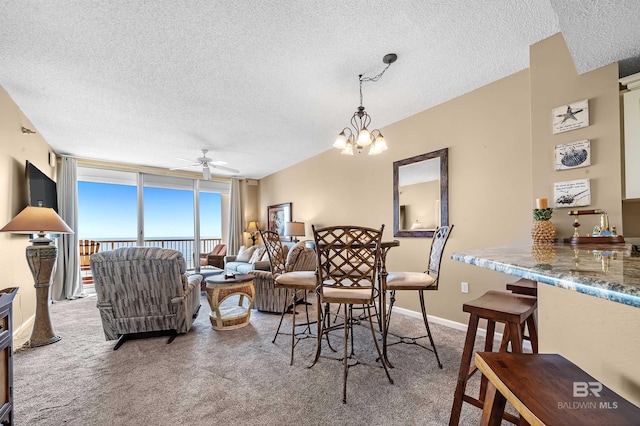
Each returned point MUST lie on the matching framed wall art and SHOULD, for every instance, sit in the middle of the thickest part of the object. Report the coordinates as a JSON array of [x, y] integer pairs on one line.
[[277, 216], [572, 193], [570, 117], [573, 155]]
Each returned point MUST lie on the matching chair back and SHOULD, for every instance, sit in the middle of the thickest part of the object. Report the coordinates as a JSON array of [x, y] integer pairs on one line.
[[347, 256], [219, 250], [275, 251], [440, 238], [87, 248]]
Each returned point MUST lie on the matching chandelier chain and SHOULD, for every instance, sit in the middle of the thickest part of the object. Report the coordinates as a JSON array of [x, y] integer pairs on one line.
[[373, 79]]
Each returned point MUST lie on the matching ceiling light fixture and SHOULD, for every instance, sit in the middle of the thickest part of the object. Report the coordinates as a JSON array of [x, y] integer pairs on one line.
[[362, 137]]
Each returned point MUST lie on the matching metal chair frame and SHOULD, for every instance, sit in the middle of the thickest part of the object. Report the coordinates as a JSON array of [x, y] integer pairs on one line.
[[440, 238], [277, 261], [348, 259]]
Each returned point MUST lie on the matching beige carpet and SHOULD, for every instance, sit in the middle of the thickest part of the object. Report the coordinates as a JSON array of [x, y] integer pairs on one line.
[[239, 377]]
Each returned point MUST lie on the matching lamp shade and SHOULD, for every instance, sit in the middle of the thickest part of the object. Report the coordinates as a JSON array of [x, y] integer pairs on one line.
[[37, 220], [253, 226], [294, 229]]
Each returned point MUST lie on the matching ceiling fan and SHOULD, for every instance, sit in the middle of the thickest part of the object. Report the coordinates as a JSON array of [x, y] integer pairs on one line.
[[206, 163]]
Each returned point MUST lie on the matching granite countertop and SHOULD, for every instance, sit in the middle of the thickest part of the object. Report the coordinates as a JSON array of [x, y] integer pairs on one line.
[[609, 271]]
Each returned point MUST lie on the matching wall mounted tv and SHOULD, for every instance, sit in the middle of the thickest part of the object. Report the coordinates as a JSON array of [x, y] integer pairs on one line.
[[42, 189]]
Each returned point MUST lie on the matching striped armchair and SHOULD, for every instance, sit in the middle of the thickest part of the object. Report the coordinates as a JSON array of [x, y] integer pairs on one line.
[[144, 292]]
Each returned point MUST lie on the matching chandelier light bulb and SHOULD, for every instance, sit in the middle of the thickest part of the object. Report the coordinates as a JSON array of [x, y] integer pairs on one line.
[[381, 143], [348, 149], [341, 141], [364, 137]]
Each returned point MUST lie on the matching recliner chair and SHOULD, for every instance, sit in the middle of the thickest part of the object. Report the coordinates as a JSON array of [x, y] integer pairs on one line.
[[144, 292]]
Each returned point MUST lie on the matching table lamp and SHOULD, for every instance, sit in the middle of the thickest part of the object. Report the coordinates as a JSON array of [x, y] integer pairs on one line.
[[41, 257], [253, 229], [294, 229]]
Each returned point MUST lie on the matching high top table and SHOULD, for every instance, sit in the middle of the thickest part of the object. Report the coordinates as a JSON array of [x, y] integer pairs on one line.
[[588, 300]]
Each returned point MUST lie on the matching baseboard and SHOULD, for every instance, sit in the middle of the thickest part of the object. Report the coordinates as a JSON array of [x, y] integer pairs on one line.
[[453, 324], [26, 325]]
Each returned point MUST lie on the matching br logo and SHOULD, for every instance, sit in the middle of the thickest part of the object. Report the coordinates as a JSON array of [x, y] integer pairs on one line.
[[583, 389]]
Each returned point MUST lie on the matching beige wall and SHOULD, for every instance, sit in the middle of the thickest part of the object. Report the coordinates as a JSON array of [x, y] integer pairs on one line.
[[15, 149], [591, 332], [488, 135], [555, 82]]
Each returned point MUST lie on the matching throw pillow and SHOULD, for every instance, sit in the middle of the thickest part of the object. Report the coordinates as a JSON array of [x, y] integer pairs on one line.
[[292, 257], [245, 253], [265, 256], [257, 255]]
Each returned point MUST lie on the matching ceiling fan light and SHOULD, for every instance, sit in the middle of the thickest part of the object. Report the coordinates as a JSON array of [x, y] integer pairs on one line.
[[206, 173]]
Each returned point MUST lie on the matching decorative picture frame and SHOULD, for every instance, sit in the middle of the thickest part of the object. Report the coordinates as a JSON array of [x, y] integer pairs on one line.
[[573, 155], [572, 193], [570, 117], [277, 216]]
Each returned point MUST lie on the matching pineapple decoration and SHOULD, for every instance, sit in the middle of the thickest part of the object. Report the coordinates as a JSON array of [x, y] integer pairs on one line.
[[543, 230], [544, 254]]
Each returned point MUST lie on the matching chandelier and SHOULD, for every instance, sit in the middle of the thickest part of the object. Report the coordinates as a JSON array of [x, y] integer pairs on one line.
[[361, 137]]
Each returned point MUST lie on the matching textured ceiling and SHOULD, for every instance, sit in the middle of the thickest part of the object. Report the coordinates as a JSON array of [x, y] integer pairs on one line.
[[266, 84]]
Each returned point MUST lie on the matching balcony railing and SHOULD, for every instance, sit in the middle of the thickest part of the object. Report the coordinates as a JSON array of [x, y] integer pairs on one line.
[[184, 246]]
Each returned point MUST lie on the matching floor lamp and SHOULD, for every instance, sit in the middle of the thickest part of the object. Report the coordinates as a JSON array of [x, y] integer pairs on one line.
[[41, 256]]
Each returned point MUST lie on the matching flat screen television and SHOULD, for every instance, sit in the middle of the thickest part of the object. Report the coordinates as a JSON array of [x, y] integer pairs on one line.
[[42, 189]]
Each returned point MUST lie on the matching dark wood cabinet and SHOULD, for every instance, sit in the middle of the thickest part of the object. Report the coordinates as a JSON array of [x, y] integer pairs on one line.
[[6, 355]]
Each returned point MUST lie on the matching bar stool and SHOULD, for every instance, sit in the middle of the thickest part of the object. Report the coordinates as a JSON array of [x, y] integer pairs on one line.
[[513, 311], [529, 288]]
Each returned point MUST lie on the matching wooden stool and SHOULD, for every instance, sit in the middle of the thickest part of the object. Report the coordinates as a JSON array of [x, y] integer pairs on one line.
[[529, 288], [511, 309], [524, 286], [550, 396]]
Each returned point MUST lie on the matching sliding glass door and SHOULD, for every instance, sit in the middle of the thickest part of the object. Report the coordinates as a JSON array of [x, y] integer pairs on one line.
[[126, 209]]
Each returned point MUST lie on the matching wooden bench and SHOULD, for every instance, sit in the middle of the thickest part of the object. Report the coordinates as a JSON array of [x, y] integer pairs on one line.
[[547, 389]]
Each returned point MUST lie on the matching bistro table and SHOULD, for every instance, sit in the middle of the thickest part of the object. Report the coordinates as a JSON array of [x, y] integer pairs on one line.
[[588, 300]]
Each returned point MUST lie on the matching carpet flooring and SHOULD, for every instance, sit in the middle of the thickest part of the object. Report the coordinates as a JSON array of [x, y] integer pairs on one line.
[[235, 377]]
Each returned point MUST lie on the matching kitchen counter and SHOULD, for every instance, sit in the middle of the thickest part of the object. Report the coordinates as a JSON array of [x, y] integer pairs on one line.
[[588, 297], [608, 271]]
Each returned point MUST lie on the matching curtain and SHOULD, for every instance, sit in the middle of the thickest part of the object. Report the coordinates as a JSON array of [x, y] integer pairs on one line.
[[66, 281], [235, 217]]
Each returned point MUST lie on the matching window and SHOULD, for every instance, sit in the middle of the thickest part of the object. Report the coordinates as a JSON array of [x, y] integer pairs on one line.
[[110, 211]]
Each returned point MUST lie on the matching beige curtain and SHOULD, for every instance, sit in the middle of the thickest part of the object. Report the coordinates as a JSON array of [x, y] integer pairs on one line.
[[66, 281], [235, 217]]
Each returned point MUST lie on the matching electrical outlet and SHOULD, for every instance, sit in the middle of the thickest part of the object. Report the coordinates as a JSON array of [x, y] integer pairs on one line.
[[464, 287]]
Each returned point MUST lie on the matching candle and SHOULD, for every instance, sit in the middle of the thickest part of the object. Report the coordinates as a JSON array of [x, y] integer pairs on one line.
[[541, 203]]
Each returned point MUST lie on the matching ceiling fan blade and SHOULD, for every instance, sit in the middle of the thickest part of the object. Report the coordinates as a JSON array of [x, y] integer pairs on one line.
[[228, 169], [184, 167]]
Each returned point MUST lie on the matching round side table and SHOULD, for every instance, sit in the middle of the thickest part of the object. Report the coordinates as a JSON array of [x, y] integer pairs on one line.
[[228, 316]]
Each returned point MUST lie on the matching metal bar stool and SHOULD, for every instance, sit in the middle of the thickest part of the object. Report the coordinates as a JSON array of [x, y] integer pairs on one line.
[[513, 311]]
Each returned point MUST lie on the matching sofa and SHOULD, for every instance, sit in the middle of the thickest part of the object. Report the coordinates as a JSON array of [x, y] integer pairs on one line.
[[143, 290], [299, 257]]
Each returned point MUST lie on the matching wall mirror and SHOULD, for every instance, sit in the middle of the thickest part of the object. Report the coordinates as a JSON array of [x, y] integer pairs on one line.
[[420, 194]]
